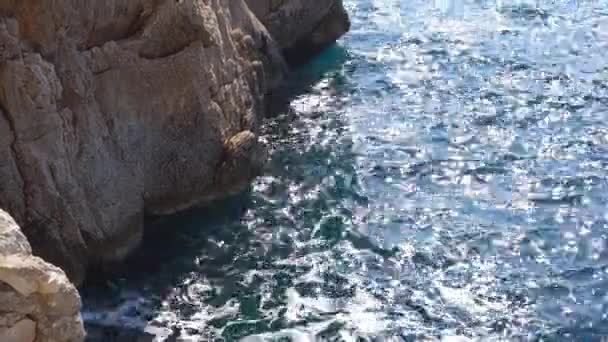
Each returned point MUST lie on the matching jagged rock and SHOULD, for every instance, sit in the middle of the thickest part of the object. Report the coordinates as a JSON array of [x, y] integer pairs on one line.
[[111, 110], [243, 156], [37, 301], [302, 27]]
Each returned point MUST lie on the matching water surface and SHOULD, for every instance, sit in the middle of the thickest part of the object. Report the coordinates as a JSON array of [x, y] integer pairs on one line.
[[440, 174]]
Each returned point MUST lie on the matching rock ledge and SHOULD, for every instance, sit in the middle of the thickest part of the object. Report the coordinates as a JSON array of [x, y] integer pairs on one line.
[[38, 302]]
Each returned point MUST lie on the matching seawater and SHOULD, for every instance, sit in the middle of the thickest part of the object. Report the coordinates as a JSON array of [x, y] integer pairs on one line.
[[438, 175]]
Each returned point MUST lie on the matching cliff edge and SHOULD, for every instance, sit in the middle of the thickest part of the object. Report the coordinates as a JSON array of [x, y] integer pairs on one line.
[[113, 110]]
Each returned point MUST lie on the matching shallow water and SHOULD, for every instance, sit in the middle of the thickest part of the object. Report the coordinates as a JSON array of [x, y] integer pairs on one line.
[[441, 174]]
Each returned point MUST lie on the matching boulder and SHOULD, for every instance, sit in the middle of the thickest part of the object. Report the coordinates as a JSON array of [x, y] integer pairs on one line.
[[37, 301], [302, 27]]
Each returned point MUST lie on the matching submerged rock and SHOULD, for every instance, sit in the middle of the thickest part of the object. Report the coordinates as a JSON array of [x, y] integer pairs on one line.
[[111, 110], [37, 301]]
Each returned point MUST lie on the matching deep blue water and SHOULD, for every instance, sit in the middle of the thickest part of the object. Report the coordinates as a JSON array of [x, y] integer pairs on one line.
[[439, 175]]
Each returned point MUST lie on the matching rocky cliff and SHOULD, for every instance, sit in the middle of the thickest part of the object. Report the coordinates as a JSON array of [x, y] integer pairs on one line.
[[302, 27], [37, 301], [111, 110]]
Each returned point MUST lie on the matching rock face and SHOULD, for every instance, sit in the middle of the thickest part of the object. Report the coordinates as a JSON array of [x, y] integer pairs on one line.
[[37, 301], [302, 27], [111, 110]]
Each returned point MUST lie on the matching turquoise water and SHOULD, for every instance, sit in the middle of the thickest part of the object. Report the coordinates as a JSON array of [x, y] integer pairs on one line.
[[440, 174]]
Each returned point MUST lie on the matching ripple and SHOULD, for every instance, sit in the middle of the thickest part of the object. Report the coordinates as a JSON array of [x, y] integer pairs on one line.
[[441, 175]]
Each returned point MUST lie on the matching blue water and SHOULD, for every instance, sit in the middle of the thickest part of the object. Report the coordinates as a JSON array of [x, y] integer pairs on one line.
[[439, 175]]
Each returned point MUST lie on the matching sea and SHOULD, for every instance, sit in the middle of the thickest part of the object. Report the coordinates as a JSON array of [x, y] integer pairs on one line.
[[439, 174]]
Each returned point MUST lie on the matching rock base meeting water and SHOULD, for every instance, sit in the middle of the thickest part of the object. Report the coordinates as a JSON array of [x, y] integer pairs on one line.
[[439, 175]]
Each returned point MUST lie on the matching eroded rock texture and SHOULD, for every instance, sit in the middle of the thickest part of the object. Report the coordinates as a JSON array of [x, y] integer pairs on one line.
[[113, 109], [37, 301], [110, 110], [302, 27]]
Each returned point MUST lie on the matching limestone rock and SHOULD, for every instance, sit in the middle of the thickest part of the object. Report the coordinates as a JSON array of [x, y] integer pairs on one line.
[[243, 157], [37, 301], [22, 331], [302, 27], [113, 109]]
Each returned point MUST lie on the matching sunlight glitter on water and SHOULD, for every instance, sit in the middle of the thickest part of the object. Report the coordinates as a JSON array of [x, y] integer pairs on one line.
[[441, 175]]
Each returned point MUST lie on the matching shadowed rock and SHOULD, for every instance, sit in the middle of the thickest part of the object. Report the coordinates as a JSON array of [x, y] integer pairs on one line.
[[302, 27], [111, 110]]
